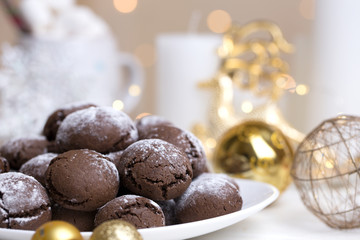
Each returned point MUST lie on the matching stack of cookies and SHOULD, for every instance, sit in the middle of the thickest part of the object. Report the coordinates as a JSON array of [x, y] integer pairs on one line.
[[94, 164]]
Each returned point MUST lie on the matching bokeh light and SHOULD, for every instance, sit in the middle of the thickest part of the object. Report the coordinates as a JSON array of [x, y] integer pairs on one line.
[[210, 143], [141, 115], [125, 6], [146, 54], [302, 89], [247, 106], [118, 105], [134, 90], [219, 21], [307, 9]]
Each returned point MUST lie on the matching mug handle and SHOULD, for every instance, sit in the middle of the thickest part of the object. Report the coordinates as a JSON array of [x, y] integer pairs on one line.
[[131, 91]]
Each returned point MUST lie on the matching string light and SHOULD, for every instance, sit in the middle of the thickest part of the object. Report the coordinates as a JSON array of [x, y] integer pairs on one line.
[[247, 107], [141, 115], [125, 6], [134, 90], [219, 21], [118, 105], [302, 89]]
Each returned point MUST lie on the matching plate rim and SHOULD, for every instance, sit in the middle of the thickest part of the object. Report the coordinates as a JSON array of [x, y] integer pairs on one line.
[[153, 231]]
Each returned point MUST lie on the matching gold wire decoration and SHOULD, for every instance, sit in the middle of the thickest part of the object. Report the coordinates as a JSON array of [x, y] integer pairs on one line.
[[326, 171], [250, 61]]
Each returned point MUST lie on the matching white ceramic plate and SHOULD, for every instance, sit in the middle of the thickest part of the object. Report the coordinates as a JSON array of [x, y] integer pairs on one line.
[[256, 196]]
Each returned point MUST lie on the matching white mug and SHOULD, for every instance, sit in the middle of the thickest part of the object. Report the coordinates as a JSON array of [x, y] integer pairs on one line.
[[40, 75]]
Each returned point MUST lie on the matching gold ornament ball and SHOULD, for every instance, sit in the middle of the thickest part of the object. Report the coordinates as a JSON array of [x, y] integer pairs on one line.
[[115, 230], [255, 150], [57, 230]]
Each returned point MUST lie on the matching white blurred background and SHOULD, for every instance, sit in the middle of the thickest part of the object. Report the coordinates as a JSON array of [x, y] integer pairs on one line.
[[324, 32]]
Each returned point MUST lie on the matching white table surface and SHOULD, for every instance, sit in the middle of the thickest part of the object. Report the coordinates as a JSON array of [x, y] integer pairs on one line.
[[286, 219]]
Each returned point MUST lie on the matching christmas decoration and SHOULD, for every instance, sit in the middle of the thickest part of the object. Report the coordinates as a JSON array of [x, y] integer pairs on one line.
[[255, 150], [57, 230], [253, 70], [326, 171], [115, 230]]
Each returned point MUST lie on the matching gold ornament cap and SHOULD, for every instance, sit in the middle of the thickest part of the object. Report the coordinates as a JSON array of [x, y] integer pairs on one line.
[[255, 150], [57, 230], [116, 230]]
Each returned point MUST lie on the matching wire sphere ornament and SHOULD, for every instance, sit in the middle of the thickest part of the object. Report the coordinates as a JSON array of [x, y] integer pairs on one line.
[[326, 172]]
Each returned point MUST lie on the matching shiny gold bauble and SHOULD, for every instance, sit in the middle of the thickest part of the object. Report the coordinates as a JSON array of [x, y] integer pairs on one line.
[[115, 230], [57, 230], [255, 150]]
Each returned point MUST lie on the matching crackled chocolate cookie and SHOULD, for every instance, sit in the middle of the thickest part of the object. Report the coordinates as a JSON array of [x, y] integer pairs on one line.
[[155, 169], [20, 150], [84, 221], [183, 139], [37, 166], [55, 119], [206, 198], [24, 203], [82, 180], [102, 129], [4, 165], [140, 211], [149, 121]]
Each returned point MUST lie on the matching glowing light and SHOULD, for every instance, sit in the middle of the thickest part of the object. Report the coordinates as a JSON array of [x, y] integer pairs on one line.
[[210, 143], [219, 21], [146, 54], [307, 9], [329, 164], [223, 112], [118, 105], [134, 90], [141, 115], [247, 107], [302, 89], [125, 6]]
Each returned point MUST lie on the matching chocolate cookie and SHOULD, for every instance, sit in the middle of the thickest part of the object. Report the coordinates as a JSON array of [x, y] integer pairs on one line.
[[218, 175], [82, 180], [168, 207], [140, 211], [183, 139], [115, 157], [24, 203], [84, 221], [37, 166], [102, 129], [149, 121], [4, 165], [20, 150], [206, 198], [155, 169], [55, 119]]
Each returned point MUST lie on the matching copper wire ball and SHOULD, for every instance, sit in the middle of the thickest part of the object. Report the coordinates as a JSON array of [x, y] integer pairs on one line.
[[326, 172]]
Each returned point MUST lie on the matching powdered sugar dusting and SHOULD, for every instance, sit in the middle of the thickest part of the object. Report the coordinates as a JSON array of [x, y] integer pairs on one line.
[[217, 187], [102, 165], [92, 120], [162, 149], [38, 164], [20, 192]]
